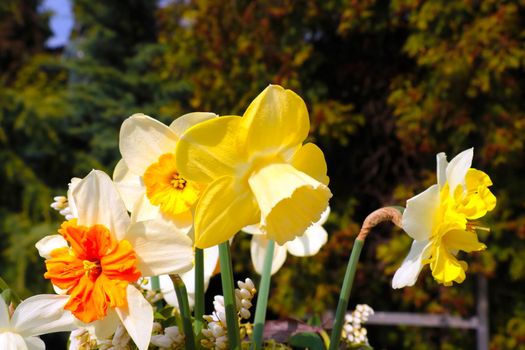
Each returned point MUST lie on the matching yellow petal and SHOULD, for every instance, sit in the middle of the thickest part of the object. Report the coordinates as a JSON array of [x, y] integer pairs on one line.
[[445, 267], [477, 199], [310, 160], [210, 150], [223, 210], [466, 241], [277, 121], [290, 200]]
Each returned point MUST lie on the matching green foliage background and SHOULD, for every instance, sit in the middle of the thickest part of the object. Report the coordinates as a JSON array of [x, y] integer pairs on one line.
[[388, 84]]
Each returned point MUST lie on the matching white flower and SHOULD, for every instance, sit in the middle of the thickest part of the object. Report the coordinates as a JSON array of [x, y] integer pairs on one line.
[[39, 314], [438, 221], [147, 178], [126, 250], [308, 244]]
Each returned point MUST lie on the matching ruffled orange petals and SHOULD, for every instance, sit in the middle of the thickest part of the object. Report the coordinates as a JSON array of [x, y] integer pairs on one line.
[[166, 188], [95, 270]]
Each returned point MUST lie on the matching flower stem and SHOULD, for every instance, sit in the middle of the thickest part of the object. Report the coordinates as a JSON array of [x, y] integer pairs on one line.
[[345, 294], [199, 290], [262, 297], [228, 290], [184, 307], [14, 297], [155, 283]]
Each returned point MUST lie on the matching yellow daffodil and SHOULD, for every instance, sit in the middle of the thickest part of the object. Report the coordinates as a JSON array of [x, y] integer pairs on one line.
[[101, 253], [308, 244], [40, 314], [256, 169], [147, 177], [440, 220]]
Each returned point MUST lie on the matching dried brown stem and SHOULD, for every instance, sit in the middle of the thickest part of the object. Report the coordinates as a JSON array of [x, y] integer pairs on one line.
[[380, 215]]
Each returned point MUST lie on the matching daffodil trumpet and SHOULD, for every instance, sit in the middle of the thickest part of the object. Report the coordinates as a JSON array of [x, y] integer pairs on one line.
[[384, 214]]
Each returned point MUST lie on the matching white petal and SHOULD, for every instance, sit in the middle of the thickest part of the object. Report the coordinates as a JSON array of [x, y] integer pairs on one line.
[[35, 343], [211, 257], [49, 243], [441, 160], [12, 341], [168, 290], [4, 314], [310, 243], [418, 217], [253, 229], [137, 318], [458, 167], [98, 202], [324, 216], [183, 123], [258, 248], [128, 184], [160, 247], [144, 210], [105, 327], [71, 201], [407, 274], [41, 314], [143, 140]]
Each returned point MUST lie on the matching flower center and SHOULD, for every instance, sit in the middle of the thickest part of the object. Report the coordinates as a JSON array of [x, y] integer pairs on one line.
[[178, 181], [95, 270], [91, 268], [166, 188]]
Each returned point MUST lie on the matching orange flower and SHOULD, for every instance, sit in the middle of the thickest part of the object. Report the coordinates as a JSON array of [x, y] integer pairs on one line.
[[95, 270]]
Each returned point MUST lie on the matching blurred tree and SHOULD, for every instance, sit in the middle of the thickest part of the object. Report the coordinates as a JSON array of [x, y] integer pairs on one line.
[[388, 84]]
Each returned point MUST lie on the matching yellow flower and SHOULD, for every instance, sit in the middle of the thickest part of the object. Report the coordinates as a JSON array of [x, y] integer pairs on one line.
[[257, 170], [147, 176], [440, 221]]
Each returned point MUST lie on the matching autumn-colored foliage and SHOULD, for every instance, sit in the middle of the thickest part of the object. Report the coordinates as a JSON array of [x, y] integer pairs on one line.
[[388, 85]]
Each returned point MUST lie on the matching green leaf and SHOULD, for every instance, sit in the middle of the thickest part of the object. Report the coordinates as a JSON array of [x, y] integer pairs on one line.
[[308, 340]]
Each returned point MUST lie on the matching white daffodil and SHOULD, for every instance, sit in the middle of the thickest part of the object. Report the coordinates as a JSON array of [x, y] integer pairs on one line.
[[439, 221], [308, 244], [39, 314], [147, 177], [100, 254], [211, 257]]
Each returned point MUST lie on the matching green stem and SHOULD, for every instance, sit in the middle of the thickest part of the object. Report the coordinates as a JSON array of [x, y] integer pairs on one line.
[[184, 308], [199, 290], [155, 283], [262, 297], [155, 286], [345, 294], [228, 289], [14, 297]]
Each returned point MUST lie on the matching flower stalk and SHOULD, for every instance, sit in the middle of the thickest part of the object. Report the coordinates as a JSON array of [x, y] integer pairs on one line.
[[199, 291], [184, 307], [262, 298], [376, 217], [228, 289]]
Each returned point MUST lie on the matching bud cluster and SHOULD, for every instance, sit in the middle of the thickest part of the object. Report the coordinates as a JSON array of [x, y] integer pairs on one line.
[[216, 332], [353, 331], [171, 339]]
